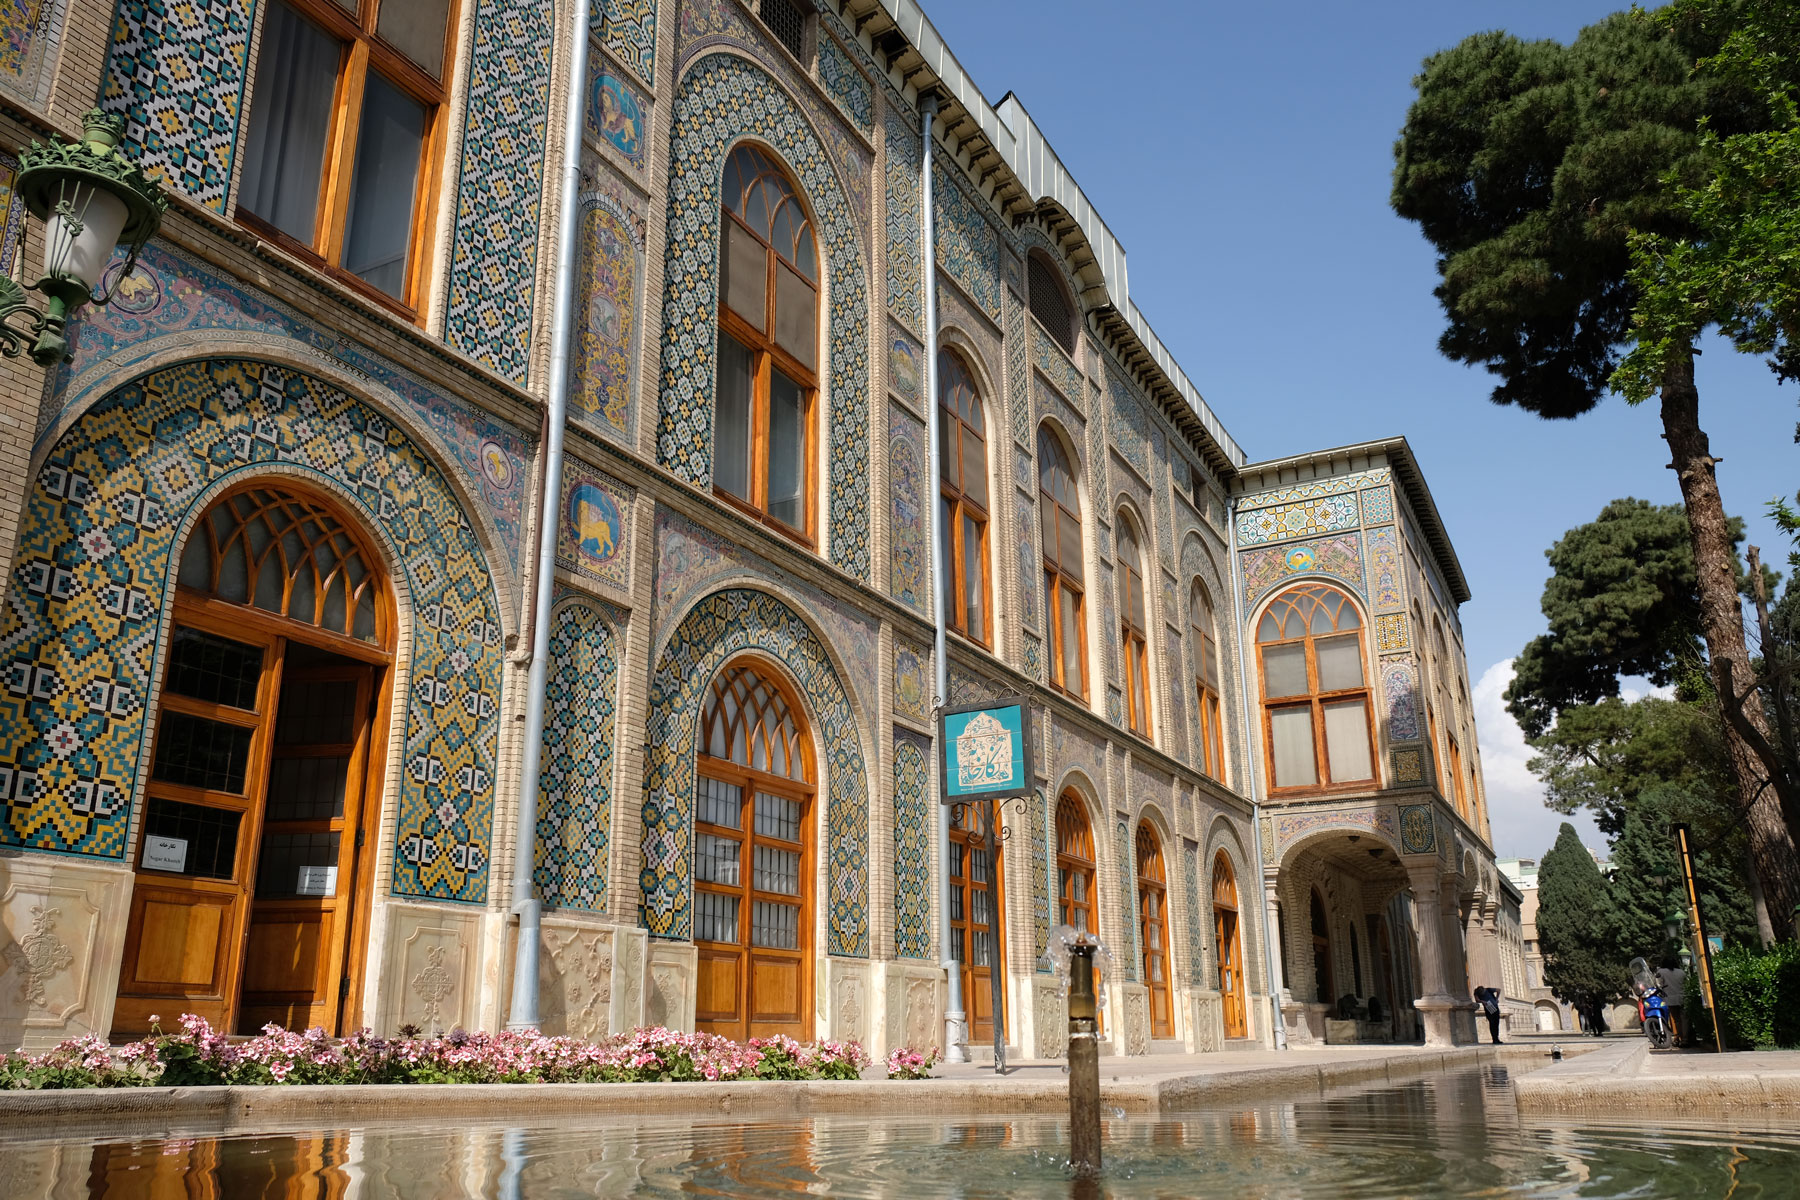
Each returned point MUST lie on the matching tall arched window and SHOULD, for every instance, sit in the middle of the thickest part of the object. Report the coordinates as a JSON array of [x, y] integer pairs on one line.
[[1059, 512], [1133, 623], [963, 491], [1050, 302], [1324, 986], [752, 858], [1153, 929], [1227, 943], [1203, 635], [1316, 719], [1075, 864], [976, 938], [763, 432]]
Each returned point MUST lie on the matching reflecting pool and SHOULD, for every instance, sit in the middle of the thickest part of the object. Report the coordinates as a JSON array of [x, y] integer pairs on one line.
[[1451, 1135]]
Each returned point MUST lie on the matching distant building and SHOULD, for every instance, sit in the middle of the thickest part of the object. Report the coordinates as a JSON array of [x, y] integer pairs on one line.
[[1548, 1013]]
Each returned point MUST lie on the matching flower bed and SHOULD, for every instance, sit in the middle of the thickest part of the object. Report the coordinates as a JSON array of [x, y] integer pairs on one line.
[[200, 1055]]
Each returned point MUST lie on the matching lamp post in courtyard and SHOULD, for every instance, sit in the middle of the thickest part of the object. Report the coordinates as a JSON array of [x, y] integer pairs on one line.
[[92, 200]]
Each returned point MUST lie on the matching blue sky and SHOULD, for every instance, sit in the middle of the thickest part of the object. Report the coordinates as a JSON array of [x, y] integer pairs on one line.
[[1242, 153]]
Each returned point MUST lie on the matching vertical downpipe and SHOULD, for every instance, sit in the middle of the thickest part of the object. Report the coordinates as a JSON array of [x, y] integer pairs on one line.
[[523, 1013], [1269, 949], [954, 1036]]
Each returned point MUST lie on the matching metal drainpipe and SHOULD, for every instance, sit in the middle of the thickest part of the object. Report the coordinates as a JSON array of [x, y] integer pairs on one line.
[[524, 1009], [954, 1037], [1262, 898]]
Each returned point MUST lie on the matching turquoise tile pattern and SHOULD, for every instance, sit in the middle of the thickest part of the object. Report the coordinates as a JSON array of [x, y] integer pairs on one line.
[[912, 848], [628, 29], [1041, 886], [846, 84], [84, 619], [720, 627], [1128, 907], [968, 246], [903, 161], [1190, 878], [722, 100], [574, 827]]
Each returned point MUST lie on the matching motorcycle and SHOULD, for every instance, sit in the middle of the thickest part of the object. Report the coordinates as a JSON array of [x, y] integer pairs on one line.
[[1653, 1011]]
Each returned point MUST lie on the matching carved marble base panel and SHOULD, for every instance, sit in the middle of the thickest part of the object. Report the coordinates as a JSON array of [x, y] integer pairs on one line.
[[432, 970], [912, 1007], [1049, 1017], [1136, 1001], [62, 935], [575, 979], [1206, 1021], [669, 985], [844, 999]]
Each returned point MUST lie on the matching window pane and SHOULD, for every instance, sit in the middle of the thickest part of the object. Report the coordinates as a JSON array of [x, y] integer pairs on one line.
[[201, 753], [731, 429], [290, 118], [416, 29], [975, 623], [946, 579], [1284, 670], [974, 467], [1347, 741], [774, 925], [1068, 555], [1047, 527], [297, 864], [746, 275], [1340, 663], [787, 451], [715, 917], [208, 667], [716, 859], [1290, 730], [721, 803], [777, 871], [1074, 670], [777, 817], [796, 328], [208, 838], [379, 230]]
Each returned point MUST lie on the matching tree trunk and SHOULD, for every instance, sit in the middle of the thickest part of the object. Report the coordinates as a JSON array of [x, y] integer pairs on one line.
[[1766, 794]]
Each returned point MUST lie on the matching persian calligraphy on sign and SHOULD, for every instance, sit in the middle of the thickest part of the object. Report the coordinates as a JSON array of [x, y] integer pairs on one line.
[[984, 754]]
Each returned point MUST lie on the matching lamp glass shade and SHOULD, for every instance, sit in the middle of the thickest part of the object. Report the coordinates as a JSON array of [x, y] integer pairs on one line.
[[82, 231]]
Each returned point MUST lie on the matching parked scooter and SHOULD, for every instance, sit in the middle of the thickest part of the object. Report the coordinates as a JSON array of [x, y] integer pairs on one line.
[[1653, 1012]]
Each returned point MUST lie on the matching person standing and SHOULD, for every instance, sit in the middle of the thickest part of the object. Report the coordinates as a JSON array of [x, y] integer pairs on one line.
[[1674, 989], [1489, 999]]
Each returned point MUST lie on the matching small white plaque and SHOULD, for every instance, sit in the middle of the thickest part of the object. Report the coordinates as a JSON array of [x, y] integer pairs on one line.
[[164, 853], [317, 881]]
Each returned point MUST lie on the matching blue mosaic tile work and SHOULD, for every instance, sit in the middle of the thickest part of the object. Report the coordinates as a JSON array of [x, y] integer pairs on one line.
[[575, 776], [1384, 568], [628, 29], [1190, 880], [1301, 518], [1058, 367], [617, 115], [493, 256], [176, 74], [723, 98], [968, 246], [1128, 906], [84, 616], [846, 84], [720, 627], [904, 159], [1377, 505], [1018, 372], [909, 575], [1041, 887], [912, 849], [1129, 423], [170, 296], [30, 31], [1319, 487]]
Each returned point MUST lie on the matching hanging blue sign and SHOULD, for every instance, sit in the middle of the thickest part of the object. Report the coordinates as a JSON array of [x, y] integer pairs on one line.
[[986, 750]]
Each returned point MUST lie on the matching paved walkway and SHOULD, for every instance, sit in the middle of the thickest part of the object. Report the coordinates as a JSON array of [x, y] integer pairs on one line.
[[1626, 1076]]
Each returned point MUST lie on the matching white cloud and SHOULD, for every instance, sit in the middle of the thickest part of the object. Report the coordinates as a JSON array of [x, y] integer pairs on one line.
[[1523, 827]]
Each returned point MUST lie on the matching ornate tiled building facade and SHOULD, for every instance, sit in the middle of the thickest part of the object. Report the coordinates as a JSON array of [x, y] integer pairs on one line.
[[394, 437]]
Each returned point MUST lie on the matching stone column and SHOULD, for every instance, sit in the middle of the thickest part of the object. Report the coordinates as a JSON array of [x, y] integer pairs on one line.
[[1436, 1005]]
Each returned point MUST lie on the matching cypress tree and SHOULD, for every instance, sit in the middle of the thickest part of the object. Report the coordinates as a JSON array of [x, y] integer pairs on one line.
[[1577, 925]]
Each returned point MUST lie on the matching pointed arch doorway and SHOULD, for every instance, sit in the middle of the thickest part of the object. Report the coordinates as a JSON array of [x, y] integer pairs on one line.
[[753, 857], [255, 850]]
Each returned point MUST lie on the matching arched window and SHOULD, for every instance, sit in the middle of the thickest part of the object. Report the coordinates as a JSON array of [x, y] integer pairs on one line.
[[1133, 624], [752, 858], [1075, 864], [763, 432], [1059, 512], [976, 885], [1203, 635], [1228, 945], [1050, 302], [1153, 929], [963, 491], [1324, 990], [1315, 693]]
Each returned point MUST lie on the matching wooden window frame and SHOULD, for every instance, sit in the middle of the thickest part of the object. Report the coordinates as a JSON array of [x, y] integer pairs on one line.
[[1070, 802], [1317, 701], [1059, 585], [766, 355], [1154, 885], [961, 507], [364, 50], [972, 839], [1202, 632], [1134, 639]]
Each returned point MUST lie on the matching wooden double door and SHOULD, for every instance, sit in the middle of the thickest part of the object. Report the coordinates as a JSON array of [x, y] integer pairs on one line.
[[975, 922], [252, 857]]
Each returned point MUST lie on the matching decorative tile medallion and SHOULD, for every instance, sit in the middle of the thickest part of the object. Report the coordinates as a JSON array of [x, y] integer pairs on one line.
[[1399, 691], [912, 849], [176, 73], [846, 84], [607, 348], [903, 168], [575, 775], [84, 616], [1129, 423], [722, 98], [909, 575], [1304, 518], [903, 368], [1391, 634], [722, 626], [1339, 557], [617, 116], [912, 683], [592, 536], [1409, 766], [493, 255], [1418, 832], [628, 29], [1057, 367]]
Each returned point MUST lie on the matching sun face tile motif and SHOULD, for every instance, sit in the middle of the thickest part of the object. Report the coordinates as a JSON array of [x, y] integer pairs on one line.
[[93, 562], [1266, 567]]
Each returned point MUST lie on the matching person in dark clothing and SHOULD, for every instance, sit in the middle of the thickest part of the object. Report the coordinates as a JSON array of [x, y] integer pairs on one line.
[[1489, 999]]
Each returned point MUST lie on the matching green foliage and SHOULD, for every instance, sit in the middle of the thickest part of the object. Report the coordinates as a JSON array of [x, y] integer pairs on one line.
[[1647, 885], [1529, 165], [1755, 992], [1738, 265], [1603, 756], [1576, 925]]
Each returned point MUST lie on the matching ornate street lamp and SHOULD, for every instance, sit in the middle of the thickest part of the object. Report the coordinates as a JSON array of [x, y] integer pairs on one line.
[[92, 200]]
